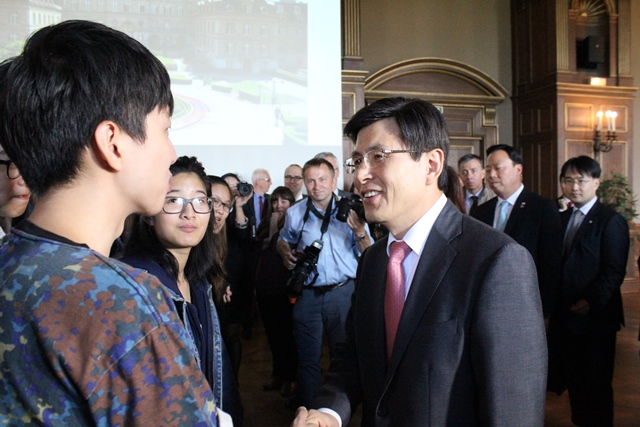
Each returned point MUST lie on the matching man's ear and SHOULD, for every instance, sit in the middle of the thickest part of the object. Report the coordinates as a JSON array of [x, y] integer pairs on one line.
[[435, 165], [108, 139], [519, 168]]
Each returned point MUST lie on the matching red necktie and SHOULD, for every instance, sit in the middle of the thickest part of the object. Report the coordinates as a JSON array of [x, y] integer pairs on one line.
[[394, 292]]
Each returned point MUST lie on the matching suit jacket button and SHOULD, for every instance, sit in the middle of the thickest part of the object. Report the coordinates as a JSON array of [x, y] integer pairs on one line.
[[383, 411]]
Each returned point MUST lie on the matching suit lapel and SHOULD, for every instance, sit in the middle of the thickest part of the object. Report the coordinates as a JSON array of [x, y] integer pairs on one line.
[[518, 211], [586, 224], [486, 212], [434, 262]]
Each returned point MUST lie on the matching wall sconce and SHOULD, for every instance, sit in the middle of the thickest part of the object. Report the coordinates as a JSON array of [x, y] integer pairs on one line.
[[605, 145]]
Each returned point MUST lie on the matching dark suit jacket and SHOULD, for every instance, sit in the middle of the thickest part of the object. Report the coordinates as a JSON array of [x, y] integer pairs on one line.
[[594, 269], [250, 213], [535, 224], [470, 348]]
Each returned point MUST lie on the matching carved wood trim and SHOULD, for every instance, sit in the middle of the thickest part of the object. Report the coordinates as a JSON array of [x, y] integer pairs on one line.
[[414, 78]]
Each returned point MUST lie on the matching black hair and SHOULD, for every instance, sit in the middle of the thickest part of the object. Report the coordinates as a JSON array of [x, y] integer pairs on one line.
[[69, 78], [144, 243], [316, 162], [514, 155], [218, 271], [282, 193], [422, 128], [455, 190], [584, 165], [468, 157], [232, 175], [218, 180]]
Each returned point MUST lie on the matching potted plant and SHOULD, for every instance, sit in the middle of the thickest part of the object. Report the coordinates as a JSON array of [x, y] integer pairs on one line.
[[616, 193]]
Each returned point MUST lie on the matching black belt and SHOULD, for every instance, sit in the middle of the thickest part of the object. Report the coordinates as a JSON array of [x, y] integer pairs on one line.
[[326, 288]]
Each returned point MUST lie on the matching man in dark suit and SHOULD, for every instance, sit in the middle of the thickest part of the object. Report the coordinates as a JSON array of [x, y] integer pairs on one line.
[[432, 336], [256, 209], [528, 218], [590, 312]]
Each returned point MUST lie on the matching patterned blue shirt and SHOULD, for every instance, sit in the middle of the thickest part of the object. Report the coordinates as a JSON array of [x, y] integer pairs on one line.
[[87, 340]]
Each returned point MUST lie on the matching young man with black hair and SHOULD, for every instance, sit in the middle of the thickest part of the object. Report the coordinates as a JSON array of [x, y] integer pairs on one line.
[[86, 340], [589, 314]]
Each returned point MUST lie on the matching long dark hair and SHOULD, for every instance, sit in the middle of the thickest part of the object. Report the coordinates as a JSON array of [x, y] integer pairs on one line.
[[218, 272], [455, 190], [144, 243]]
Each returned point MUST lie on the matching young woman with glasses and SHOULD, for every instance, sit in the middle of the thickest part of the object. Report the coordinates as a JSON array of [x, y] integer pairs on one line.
[[176, 246]]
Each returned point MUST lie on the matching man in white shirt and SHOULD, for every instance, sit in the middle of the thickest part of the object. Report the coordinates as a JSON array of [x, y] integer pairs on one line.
[[449, 332], [530, 219], [293, 181], [584, 327], [471, 171]]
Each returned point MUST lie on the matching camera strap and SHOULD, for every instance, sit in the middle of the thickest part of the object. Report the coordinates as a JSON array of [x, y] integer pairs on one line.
[[326, 218]]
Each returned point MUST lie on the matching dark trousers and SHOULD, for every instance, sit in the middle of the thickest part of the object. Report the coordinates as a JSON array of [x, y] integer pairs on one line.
[[277, 318], [589, 360]]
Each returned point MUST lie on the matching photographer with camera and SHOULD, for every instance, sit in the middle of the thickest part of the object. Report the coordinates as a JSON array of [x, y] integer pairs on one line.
[[239, 276], [323, 253]]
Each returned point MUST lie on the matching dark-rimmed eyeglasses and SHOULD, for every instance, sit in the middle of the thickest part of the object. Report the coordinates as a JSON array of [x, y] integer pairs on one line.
[[580, 181], [12, 169], [176, 205], [292, 178], [371, 158], [219, 204]]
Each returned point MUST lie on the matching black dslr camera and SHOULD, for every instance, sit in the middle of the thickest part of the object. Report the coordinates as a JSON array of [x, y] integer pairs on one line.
[[346, 204], [305, 264], [244, 189]]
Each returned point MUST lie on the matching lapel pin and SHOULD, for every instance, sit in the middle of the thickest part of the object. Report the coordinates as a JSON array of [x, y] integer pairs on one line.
[[522, 205]]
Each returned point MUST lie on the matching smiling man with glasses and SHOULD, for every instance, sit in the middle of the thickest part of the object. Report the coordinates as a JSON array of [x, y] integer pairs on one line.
[[293, 181], [445, 325]]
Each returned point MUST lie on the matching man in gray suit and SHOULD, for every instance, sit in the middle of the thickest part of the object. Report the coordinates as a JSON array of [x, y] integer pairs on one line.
[[450, 332]]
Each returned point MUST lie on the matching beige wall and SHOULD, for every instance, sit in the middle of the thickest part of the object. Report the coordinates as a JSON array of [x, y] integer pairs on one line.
[[476, 32]]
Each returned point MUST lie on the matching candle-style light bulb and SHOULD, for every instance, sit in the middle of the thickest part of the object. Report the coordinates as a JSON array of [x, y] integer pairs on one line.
[[608, 116], [613, 120], [599, 121]]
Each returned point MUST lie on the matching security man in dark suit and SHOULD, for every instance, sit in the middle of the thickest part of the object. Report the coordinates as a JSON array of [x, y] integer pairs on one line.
[[528, 218], [596, 246]]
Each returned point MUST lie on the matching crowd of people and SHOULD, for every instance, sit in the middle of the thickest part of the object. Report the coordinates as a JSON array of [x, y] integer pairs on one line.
[[128, 276]]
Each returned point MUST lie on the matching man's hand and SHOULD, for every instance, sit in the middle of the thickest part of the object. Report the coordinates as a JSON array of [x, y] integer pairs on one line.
[[226, 297], [313, 418], [581, 307], [242, 200], [288, 259], [355, 223]]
